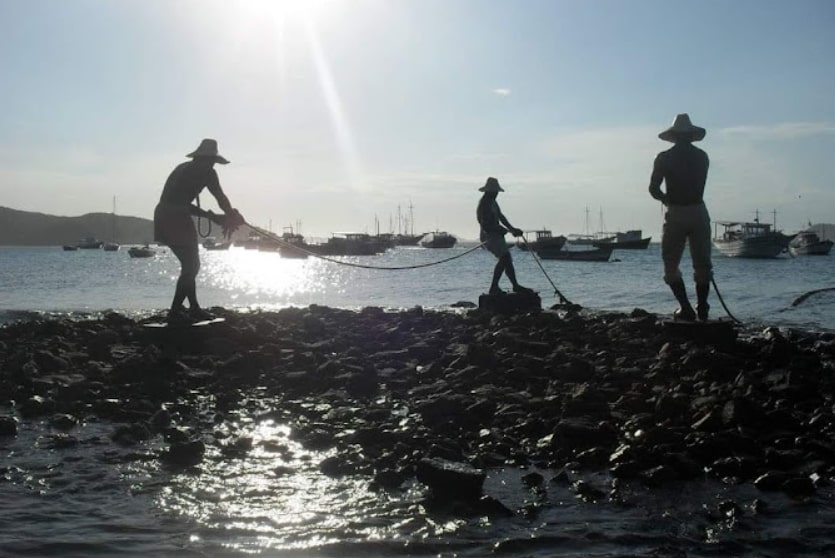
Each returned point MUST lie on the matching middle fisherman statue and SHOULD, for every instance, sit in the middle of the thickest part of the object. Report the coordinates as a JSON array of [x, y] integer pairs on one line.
[[494, 225]]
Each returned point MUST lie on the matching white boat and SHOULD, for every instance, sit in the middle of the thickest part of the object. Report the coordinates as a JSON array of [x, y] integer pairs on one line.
[[750, 240], [808, 243]]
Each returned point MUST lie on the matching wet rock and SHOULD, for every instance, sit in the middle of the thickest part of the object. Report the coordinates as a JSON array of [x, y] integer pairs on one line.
[[450, 479], [160, 420], [188, 453], [772, 480], [587, 492], [57, 441], [50, 362], [63, 421], [36, 406], [798, 486], [388, 479], [533, 480], [130, 434], [8, 426]]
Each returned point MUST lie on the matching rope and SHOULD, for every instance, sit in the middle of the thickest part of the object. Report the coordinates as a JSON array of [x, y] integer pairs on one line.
[[557, 292], [719, 296], [803, 297], [200, 220], [352, 264]]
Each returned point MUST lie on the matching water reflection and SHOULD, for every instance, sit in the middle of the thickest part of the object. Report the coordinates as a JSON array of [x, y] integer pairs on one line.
[[275, 497]]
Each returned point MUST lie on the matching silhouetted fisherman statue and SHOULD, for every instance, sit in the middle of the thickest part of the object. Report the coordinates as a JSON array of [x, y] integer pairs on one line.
[[494, 225]]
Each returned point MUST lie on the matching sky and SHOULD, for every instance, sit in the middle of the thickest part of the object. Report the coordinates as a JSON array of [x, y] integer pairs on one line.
[[337, 115]]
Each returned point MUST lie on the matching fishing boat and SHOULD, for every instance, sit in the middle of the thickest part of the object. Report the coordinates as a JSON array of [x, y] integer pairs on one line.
[[601, 254], [348, 244], [406, 229], [294, 245], [629, 240], [438, 239], [808, 243], [141, 252], [588, 238], [749, 240], [544, 240], [90, 243]]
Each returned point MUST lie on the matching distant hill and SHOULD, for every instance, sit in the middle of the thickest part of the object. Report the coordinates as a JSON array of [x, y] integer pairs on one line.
[[26, 228]]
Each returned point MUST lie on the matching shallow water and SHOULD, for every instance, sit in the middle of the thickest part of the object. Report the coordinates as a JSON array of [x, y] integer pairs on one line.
[[96, 499]]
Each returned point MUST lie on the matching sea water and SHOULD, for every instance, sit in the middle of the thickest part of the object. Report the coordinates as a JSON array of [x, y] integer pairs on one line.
[[88, 500], [757, 292]]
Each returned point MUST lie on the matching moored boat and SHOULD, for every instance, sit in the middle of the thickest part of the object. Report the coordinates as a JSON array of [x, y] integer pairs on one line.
[[90, 243], [141, 252], [544, 240], [601, 254], [808, 243], [294, 245], [348, 244], [629, 240], [750, 240], [438, 239], [70, 248]]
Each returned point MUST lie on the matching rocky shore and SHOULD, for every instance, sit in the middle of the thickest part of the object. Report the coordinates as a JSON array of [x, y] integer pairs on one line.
[[440, 397]]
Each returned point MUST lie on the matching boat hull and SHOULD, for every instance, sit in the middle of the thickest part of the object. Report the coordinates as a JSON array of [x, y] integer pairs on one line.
[[554, 243], [594, 255], [763, 246], [640, 244], [820, 248]]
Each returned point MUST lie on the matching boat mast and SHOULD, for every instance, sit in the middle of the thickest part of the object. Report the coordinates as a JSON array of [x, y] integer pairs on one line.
[[411, 218], [113, 222]]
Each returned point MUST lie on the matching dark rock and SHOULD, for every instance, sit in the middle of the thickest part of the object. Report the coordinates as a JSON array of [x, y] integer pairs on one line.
[[8, 426], [772, 480], [799, 486], [510, 302], [63, 421], [388, 479], [450, 479], [587, 492], [50, 362], [130, 434], [57, 441], [533, 480], [37, 406], [185, 454]]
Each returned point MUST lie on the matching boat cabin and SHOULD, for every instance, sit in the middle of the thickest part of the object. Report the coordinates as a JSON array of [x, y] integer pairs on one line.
[[735, 230]]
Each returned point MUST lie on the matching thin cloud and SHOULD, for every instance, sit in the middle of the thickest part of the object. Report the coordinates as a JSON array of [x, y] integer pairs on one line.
[[781, 131], [502, 91]]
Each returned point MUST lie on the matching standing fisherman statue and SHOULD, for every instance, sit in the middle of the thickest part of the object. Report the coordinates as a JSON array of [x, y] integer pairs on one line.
[[683, 168]]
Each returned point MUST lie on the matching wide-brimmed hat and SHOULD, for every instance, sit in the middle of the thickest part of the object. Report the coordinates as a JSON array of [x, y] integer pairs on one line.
[[492, 185], [682, 129], [208, 148]]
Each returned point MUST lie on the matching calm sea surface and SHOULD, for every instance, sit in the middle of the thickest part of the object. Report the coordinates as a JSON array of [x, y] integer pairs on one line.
[[47, 279], [88, 501]]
